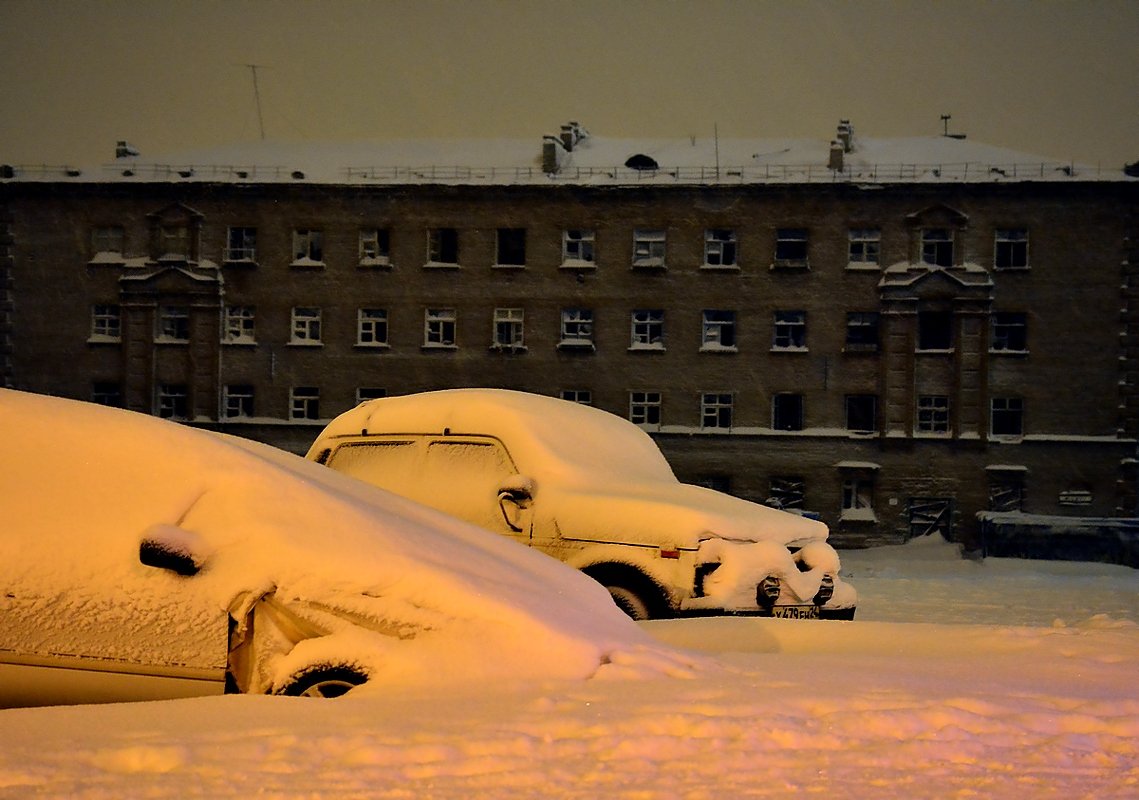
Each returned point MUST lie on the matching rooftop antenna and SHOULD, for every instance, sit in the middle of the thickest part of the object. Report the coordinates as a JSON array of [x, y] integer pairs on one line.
[[257, 98], [944, 120], [716, 137]]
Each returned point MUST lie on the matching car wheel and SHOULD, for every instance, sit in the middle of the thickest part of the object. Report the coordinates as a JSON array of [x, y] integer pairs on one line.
[[324, 682], [629, 601]]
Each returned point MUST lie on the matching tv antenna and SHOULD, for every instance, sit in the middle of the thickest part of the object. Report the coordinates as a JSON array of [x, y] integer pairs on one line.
[[257, 97]]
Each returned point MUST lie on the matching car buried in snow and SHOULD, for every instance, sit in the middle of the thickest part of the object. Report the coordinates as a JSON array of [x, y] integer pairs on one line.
[[594, 491], [141, 559]]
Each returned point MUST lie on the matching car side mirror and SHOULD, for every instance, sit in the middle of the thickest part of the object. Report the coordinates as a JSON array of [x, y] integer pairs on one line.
[[173, 549], [515, 495]]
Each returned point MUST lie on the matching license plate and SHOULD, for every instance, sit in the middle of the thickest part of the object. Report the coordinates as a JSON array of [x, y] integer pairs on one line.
[[796, 612]]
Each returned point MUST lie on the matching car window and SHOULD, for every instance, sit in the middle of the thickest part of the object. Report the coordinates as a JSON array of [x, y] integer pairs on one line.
[[459, 476]]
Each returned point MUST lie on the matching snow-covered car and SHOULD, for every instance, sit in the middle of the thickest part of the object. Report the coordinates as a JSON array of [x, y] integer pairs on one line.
[[142, 559], [594, 491]]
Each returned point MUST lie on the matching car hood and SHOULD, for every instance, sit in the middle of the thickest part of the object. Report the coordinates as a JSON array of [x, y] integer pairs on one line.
[[675, 514]]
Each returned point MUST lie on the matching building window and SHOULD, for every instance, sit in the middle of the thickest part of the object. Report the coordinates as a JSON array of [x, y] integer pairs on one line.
[[791, 247], [375, 247], [174, 243], [107, 393], [1006, 490], [173, 401], [1007, 417], [577, 248], [937, 247], [1010, 332], [173, 324], [508, 329], [647, 330], [716, 411], [106, 323], [582, 396], [790, 332], [439, 327], [786, 492], [864, 248], [238, 401], [306, 325], [511, 247], [719, 248], [719, 331], [577, 328], [862, 331], [933, 414], [304, 403], [241, 244], [107, 242], [644, 409], [935, 330], [239, 325], [649, 247], [787, 412], [858, 498], [862, 413], [443, 247], [1010, 248], [308, 246], [366, 393], [372, 327]]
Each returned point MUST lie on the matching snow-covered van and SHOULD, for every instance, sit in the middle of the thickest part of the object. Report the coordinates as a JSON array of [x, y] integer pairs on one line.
[[594, 491]]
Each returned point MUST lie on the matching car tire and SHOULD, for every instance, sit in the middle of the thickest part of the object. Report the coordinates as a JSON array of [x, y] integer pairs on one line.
[[324, 682], [629, 601]]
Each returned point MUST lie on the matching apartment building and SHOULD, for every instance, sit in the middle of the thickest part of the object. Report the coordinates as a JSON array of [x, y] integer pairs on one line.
[[893, 335]]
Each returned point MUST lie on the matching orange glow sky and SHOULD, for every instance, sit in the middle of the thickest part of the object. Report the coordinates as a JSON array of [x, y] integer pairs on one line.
[[1058, 79]]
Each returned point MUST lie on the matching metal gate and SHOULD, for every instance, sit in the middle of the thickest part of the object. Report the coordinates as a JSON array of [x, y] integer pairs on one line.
[[931, 515]]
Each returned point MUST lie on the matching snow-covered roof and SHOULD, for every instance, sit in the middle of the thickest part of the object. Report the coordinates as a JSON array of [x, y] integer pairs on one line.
[[593, 160]]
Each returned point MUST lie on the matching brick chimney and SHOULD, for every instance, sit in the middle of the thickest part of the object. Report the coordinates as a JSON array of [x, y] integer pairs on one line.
[[835, 160]]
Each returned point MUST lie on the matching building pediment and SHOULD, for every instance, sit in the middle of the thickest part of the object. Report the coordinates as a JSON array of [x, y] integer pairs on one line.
[[170, 282], [175, 214], [938, 215], [924, 281]]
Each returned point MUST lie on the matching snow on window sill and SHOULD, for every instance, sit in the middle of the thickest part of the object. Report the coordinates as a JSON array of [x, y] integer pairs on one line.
[[169, 340], [577, 344], [791, 264], [442, 265], [372, 346], [438, 346], [719, 348], [646, 348], [304, 343], [789, 350], [858, 515], [239, 262], [720, 267], [934, 352], [498, 347], [1024, 268], [307, 263], [374, 262], [1007, 352], [572, 264], [508, 266], [650, 263], [97, 339], [240, 342], [860, 348], [931, 435], [862, 266]]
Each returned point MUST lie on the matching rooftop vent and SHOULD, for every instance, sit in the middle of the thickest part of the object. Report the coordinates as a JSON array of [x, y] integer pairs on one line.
[[846, 135], [125, 150]]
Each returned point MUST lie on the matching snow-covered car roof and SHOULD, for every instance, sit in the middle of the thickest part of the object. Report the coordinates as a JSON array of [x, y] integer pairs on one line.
[[82, 483], [575, 444]]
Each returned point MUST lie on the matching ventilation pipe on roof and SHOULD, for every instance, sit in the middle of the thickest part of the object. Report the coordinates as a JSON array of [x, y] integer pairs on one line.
[[835, 161], [125, 150], [846, 135]]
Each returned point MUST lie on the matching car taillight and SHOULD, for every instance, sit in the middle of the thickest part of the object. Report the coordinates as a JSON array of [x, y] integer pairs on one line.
[[825, 592], [767, 592]]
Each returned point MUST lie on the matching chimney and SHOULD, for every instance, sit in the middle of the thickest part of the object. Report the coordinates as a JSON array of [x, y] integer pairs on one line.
[[835, 161], [124, 150], [553, 152], [569, 137], [846, 135]]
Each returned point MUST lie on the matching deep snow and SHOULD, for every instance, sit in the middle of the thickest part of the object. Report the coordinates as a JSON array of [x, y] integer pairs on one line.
[[994, 679]]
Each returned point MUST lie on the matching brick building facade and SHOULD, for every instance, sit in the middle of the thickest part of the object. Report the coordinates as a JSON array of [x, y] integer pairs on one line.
[[893, 348]]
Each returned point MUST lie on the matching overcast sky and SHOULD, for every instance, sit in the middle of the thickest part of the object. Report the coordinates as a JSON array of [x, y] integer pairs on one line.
[[1058, 79]]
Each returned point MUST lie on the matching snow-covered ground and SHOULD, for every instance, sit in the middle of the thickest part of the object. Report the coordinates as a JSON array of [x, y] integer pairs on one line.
[[994, 679]]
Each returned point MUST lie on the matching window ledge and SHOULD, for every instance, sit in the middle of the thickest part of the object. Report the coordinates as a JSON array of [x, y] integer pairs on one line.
[[105, 340], [862, 266], [507, 348], [658, 266], [946, 352], [244, 263], [858, 515], [575, 346], [791, 264], [239, 342], [508, 266], [307, 263], [860, 348], [161, 340], [372, 346], [304, 344], [441, 265], [1025, 268], [790, 350], [433, 346], [720, 267], [374, 263], [646, 348], [719, 349], [107, 259], [1008, 353], [577, 266]]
